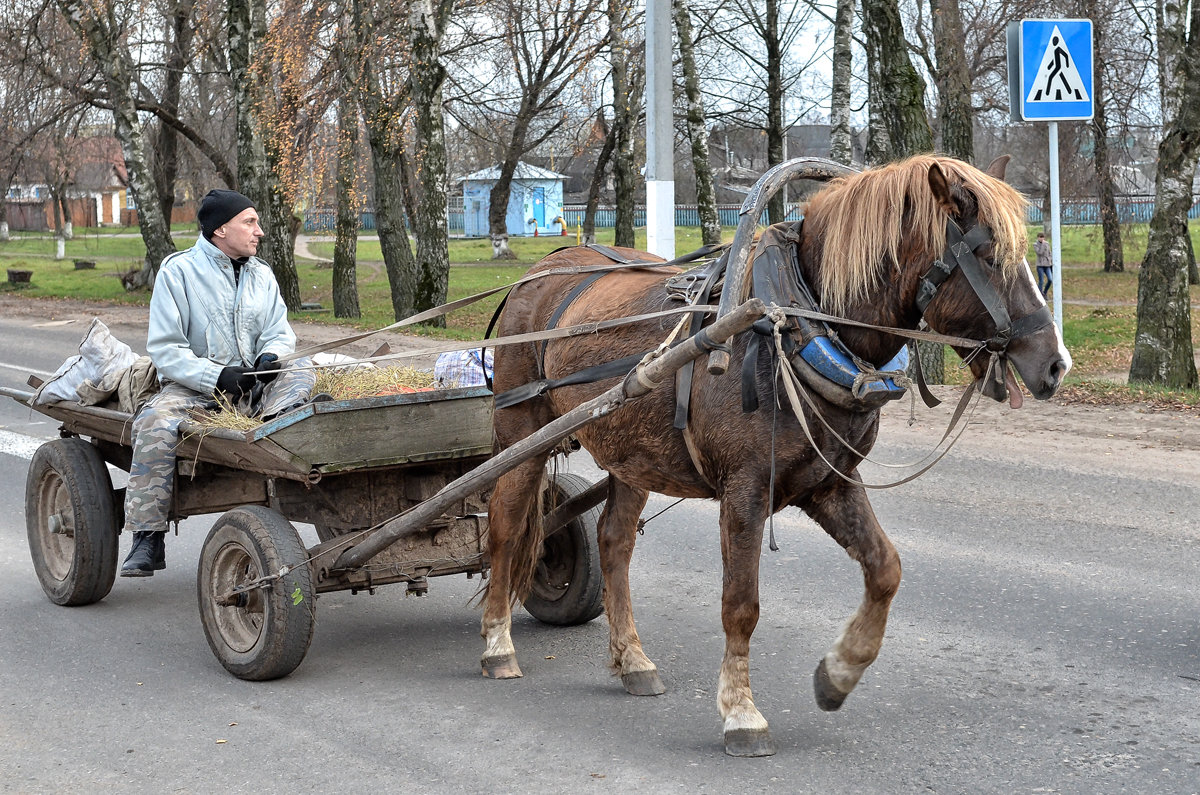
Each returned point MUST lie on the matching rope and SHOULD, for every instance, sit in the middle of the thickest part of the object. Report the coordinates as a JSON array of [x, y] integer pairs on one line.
[[795, 390]]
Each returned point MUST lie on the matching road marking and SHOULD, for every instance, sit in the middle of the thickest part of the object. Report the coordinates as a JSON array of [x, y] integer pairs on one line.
[[22, 368], [18, 444]]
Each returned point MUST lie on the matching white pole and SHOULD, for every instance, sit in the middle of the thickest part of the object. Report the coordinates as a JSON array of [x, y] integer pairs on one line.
[[1055, 227], [660, 134]]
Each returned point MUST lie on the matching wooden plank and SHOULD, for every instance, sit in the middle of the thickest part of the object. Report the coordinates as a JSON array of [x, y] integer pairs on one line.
[[393, 430]]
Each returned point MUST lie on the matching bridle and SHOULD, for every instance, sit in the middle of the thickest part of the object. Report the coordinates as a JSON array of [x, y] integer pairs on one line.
[[960, 254]]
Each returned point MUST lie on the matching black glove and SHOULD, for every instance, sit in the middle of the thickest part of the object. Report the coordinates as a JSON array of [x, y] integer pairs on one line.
[[236, 381], [267, 366]]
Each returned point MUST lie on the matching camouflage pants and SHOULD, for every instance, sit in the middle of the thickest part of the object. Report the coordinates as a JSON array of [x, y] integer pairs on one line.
[[156, 434]]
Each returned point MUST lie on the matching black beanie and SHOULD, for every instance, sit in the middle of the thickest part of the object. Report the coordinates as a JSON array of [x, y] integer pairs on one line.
[[218, 208]]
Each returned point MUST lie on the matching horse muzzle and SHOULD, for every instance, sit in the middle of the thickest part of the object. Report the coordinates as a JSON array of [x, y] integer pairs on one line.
[[1043, 374]]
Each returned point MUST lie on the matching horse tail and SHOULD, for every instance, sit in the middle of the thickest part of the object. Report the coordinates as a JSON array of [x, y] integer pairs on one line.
[[525, 548]]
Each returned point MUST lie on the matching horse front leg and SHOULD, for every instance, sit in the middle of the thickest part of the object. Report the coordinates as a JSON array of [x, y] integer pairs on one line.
[[745, 729], [618, 528], [514, 534], [844, 512]]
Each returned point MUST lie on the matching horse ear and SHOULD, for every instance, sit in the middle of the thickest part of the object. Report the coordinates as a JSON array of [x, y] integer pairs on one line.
[[941, 190], [996, 169]]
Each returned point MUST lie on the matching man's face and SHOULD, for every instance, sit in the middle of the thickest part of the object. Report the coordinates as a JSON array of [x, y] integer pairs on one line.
[[239, 236]]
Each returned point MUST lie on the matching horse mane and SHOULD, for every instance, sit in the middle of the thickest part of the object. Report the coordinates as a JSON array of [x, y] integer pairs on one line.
[[865, 218]]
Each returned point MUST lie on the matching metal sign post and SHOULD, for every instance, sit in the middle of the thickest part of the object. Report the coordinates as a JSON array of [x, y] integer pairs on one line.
[[1050, 79]]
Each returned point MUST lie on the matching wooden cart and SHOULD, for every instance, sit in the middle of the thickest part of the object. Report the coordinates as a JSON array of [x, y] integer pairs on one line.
[[396, 487], [346, 467]]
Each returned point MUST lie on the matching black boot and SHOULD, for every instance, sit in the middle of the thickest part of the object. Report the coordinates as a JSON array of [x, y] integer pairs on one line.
[[148, 555]]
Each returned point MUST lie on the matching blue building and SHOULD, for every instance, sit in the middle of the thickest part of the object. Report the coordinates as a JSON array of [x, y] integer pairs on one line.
[[535, 201]]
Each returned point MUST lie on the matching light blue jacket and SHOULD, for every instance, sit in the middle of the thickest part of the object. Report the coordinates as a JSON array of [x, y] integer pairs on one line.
[[201, 320]]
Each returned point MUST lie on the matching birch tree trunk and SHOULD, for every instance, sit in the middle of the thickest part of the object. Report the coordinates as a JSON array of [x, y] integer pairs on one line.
[[427, 22], [841, 147], [101, 41], [1162, 348], [706, 195], [775, 131]]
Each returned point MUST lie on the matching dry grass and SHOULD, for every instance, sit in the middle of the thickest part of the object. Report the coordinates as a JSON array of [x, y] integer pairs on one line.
[[343, 384], [371, 382]]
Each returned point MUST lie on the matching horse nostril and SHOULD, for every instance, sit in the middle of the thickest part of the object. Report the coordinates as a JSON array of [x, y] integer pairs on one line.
[[1058, 369]]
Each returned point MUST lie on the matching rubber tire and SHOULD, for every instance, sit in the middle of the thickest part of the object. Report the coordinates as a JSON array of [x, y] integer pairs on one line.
[[267, 638], [568, 585], [68, 479]]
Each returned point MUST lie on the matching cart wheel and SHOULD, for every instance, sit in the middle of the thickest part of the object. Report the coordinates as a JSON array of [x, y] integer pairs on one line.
[[71, 523], [568, 586], [261, 632]]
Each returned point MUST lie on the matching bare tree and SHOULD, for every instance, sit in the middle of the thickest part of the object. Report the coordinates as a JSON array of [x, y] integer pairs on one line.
[[345, 285], [706, 196], [1162, 350], [515, 100], [593, 196], [761, 37], [383, 93], [898, 124], [426, 74], [628, 81], [840, 147], [1114, 257], [100, 30], [956, 117]]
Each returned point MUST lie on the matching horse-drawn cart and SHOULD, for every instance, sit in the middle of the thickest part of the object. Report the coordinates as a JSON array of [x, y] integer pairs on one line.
[[343, 467], [396, 486]]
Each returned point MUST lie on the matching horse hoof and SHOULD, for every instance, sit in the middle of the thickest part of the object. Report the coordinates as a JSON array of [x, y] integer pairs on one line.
[[749, 742], [502, 667], [829, 698], [643, 683]]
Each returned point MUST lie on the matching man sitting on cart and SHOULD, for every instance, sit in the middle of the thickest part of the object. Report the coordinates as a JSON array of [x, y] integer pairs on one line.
[[217, 324]]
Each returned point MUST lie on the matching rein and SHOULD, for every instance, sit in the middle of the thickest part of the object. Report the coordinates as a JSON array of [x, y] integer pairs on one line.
[[447, 308]]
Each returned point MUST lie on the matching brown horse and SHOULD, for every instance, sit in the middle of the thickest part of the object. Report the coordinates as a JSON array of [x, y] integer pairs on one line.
[[867, 242]]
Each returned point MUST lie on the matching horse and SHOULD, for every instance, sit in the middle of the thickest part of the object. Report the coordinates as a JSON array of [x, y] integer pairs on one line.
[[868, 247]]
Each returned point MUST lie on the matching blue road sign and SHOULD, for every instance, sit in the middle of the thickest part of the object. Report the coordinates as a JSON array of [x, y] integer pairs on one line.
[[1055, 61]]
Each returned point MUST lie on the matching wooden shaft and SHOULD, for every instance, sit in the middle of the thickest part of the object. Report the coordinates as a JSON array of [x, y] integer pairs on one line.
[[639, 382]]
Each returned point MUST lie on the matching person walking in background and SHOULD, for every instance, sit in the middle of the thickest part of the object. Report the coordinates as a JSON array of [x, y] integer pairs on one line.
[[1045, 266]]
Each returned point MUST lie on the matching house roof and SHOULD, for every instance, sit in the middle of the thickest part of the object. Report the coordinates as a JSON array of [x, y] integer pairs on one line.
[[524, 171]]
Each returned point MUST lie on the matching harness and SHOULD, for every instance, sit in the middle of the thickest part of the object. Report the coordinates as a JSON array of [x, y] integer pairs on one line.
[[960, 254], [813, 347]]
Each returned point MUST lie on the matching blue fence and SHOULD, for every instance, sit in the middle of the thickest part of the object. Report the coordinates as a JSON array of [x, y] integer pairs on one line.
[[1130, 209]]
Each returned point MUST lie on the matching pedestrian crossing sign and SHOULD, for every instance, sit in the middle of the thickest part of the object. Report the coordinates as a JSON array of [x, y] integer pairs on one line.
[[1055, 61]]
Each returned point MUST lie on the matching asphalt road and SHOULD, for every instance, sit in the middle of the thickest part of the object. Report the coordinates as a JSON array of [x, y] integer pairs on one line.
[[1046, 638]]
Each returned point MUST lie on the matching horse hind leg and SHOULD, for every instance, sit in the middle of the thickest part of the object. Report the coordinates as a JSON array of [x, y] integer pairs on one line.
[[618, 527], [847, 516], [514, 537]]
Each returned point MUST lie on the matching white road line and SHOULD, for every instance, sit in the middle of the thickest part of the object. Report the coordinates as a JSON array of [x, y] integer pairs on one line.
[[18, 444], [21, 368]]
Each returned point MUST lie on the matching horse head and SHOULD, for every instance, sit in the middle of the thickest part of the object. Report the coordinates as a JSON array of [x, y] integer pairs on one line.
[[981, 286]]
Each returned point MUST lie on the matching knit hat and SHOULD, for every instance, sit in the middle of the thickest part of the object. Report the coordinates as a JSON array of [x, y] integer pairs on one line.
[[218, 208]]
